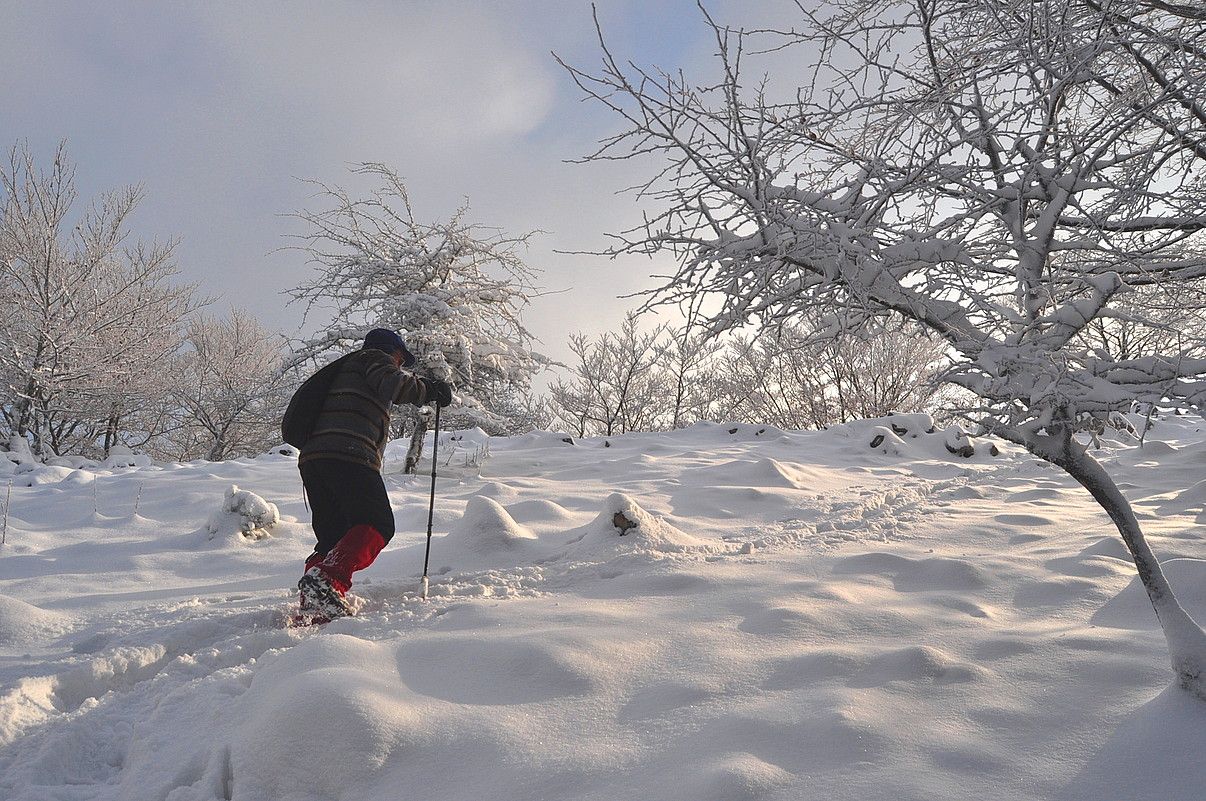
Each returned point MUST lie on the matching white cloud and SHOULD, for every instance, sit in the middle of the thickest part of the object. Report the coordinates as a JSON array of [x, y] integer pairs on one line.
[[219, 106], [380, 75]]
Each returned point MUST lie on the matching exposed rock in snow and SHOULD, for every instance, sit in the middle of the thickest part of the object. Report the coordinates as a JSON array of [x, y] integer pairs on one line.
[[958, 443], [885, 440], [914, 435], [243, 514]]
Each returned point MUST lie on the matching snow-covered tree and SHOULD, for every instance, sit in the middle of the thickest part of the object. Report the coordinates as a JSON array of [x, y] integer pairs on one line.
[[789, 375], [87, 318], [231, 389], [1001, 174], [615, 385], [694, 375], [520, 411], [456, 290]]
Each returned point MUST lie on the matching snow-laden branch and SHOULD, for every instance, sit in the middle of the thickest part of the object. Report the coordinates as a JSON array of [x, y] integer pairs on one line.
[[1025, 180]]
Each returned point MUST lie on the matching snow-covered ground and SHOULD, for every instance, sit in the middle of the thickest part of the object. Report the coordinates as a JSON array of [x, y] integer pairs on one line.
[[794, 616]]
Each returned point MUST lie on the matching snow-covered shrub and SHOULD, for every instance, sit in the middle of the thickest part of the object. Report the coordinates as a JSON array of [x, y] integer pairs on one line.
[[244, 515], [232, 389], [468, 448], [18, 451], [455, 289], [624, 523], [121, 456], [74, 462], [283, 449]]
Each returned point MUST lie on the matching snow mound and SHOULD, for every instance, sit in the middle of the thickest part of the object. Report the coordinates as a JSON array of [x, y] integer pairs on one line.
[[622, 517], [354, 713], [471, 439], [917, 663], [121, 456], [540, 439], [497, 491], [911, 425], [915, 575], [487, 527], [1192, 498], [73, 462], [284, 449], [758, 473], [539, 510], [885, 441], [244, 515], [23, 624], [39, 475]]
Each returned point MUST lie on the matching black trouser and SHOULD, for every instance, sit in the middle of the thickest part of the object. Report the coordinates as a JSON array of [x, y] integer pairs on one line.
[[343, 495]]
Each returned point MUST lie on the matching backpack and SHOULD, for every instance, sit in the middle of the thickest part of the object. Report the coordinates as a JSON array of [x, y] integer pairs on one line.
[[306, 404]]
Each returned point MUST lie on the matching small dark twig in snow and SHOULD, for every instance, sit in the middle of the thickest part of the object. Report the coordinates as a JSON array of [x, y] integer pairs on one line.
[[8, 498]]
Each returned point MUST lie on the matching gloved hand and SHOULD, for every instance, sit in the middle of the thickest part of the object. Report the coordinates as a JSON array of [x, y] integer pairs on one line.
[[437, 391]]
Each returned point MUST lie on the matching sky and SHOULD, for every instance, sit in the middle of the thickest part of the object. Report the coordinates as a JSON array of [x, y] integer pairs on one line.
[[220, 110]]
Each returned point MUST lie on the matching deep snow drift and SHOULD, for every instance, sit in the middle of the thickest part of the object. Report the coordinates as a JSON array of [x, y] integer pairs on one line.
[[725, 612]]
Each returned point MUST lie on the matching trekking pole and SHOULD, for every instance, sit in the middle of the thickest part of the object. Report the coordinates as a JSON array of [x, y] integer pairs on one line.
[[435, 449]]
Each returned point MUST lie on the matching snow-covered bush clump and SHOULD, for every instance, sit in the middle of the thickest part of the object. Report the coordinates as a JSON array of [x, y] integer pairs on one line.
[[623, 522], [121, 456], [284, 449], [18, 458], [469, 447], [73, 462], [913, 435], [244, 515]]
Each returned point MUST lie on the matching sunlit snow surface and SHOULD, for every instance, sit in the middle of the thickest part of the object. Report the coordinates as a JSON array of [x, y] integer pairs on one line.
[[793, 616]]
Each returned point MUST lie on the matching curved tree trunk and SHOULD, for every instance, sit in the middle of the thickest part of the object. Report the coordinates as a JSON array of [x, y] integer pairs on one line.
[[1185, 637]]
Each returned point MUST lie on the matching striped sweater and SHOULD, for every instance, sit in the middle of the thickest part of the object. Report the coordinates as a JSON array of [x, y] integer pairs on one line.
[[354, 423]]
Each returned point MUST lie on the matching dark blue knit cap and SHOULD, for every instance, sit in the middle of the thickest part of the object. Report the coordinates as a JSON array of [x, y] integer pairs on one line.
[[390, 342]]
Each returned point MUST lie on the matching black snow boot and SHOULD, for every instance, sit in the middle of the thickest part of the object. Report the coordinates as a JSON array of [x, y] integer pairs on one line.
[[320, 597]]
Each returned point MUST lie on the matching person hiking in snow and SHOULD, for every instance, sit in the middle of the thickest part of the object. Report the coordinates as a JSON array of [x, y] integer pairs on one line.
[[340, 463]]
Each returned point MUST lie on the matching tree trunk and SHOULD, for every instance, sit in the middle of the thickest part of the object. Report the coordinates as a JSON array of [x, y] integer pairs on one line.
[[415, 451], [1186, 639], [111, 429]]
